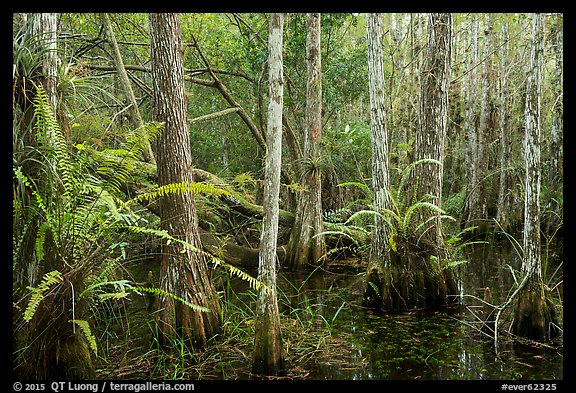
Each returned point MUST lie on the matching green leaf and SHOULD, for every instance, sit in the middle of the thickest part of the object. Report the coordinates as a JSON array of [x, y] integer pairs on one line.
[[85, 327]]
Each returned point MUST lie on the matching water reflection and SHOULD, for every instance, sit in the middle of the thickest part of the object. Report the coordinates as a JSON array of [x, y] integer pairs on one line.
[[432, 344]]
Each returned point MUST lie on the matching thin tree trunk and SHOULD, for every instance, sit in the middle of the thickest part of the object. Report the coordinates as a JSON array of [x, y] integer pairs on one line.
[[556, 147], [125, 82], [184, 271], [306, 246], [268, 351], [534, 316], [503, 214], [470, 119], [478, 197], [379, 248]]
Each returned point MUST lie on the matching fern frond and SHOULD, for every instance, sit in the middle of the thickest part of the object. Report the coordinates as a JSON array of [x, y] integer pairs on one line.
[[416, 206], [85, 327], [115, 296], [253, 282], [48, 280], [362, 186], [179, 189], [161, 292], [52, 140], [116, 165], [40, 238]]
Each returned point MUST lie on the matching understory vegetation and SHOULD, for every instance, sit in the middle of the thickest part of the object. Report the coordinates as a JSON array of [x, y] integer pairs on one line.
[[87, 235]]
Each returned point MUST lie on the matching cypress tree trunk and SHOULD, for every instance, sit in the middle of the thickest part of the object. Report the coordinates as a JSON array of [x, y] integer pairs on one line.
[[268, 356], [478, 191], [470, 121], [504, 204], [554, 207], [429, 144], [534, 314], [379, 263], [51, 350], [184, 272], [411, 276], [304, 246]]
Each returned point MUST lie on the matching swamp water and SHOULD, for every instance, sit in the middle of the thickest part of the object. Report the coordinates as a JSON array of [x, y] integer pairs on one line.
[[442, 344]]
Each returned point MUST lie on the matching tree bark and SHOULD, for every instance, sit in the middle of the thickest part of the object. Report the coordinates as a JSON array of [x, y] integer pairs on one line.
[[184, 272], [506, 215], [433, 122], [306, 245], [268, 351], [411, 275], [534, 316], [470, 121], [478, 193], [379, 248], [553, 206]]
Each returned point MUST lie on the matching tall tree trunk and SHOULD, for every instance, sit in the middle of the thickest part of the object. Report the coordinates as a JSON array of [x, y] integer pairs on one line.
[[556, 147], [505, 214], [429, 144], [478, 194], [534, 316], [414, 276], [268, 352], [53, 349], [42, 31], [433, 123], [380, 247], [184, 272], [125, 82], [470, 120], [306, 245]]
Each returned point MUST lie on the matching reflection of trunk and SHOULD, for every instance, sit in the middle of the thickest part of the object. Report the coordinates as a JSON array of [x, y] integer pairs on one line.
[[534, 316], [305, 245], [184, 272], [268, 352]]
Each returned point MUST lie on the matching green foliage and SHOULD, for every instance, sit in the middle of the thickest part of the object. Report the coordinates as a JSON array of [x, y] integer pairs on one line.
[[29, 51], [85, 327], [161, 292], [254, 283], [116, 165], [37, 294], [179, 188]]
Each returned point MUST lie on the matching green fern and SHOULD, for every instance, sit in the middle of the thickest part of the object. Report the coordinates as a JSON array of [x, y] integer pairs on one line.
[[253, 282], [179, 189], [48, 280], [85, 327], [161, 292], [52, 140], [116, 165]]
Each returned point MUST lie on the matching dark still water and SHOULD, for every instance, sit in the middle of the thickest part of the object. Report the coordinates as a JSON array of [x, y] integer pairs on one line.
[[444, 344]]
